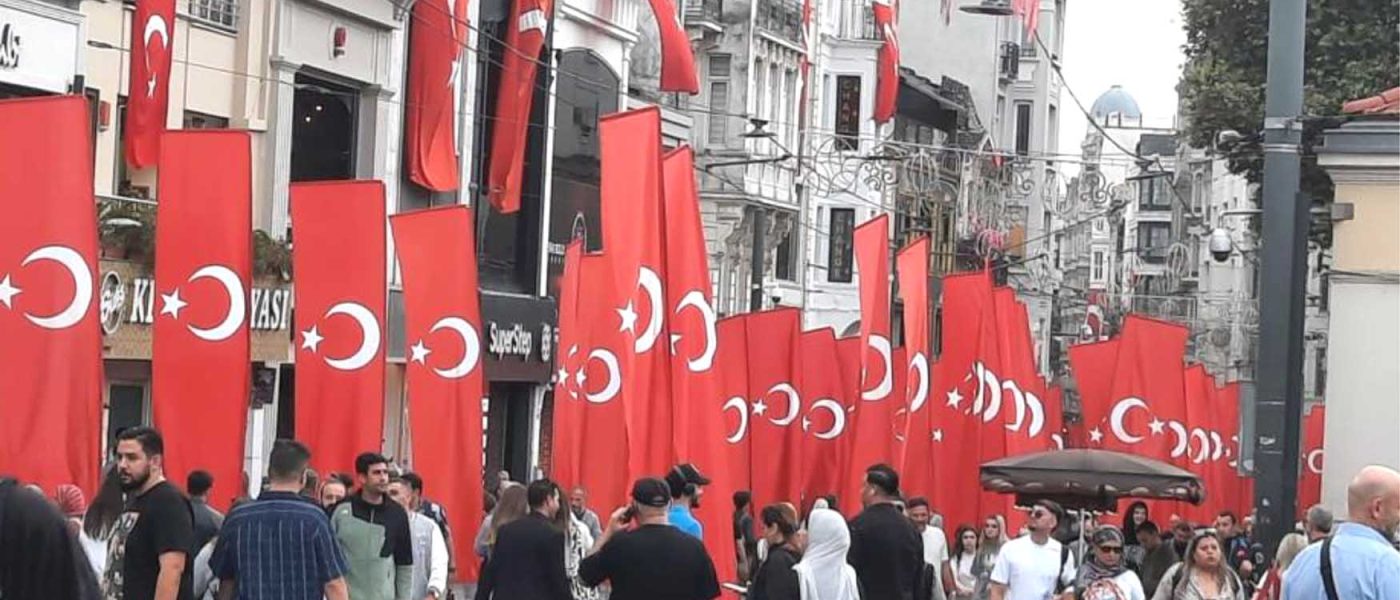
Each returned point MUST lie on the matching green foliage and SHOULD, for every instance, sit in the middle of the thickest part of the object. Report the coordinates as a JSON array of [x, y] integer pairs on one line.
[[127, 231], [1352, 51]]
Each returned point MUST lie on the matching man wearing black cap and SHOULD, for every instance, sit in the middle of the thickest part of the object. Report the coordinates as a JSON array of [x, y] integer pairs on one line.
[[652, 560], [1035, 566], [685, 482], [887, 552]]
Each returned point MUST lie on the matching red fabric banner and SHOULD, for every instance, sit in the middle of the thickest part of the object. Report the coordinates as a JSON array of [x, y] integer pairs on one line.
[[1310, 473], [446, 384], [848, 355], [732, 362], [430, 122], [825, 443], [590, 432], [1092, 366], [874, 419], [1147, 414], [51, 357], [1238, 494], [775, 430], [200, 370], [912, 265], [677, 57], [887, 66], [1020, 382], [148, 87], [340, 295], [633, 237], [525, 36], [1202, 412]]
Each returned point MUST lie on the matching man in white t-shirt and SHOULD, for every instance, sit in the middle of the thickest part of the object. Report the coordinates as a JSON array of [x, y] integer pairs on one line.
[[1034, 566], [935, 542]]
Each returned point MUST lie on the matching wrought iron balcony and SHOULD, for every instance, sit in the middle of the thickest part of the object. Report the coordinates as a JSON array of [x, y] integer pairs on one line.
[[781, 17], [703, 11]]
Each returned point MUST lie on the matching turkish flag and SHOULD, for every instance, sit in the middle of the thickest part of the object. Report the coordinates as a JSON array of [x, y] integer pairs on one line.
[[824, 443], [677, 58], [51, 357], [633, 237], [1239, 489], [874, 420], [590, 431], [1092, 365], [1202, 412], [446, 385], [1055, 418], [1310, 475], [912, 265], [435, 43], [695, 384], [849, 354], [525, 36], [339, 319], [887, 62], [775, 427], [200, 370], [1025, 419], [1148, 414], [732, 362], [148, 87]]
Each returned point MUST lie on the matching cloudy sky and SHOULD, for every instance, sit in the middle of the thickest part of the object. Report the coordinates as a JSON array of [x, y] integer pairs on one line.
[[1132, 43]]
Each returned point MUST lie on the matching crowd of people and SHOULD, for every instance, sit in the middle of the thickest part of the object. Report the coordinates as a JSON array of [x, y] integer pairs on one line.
[[374, 536]]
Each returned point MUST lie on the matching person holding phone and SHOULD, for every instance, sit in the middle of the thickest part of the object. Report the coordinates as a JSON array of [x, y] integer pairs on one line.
[[644, 557]]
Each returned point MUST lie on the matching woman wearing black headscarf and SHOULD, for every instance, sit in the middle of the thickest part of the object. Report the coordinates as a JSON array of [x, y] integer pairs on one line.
[[1132, 520], [39, 556], [1104, 574]]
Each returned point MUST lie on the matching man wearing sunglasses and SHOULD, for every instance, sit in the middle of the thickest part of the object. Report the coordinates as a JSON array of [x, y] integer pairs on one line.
[[1035, 566]]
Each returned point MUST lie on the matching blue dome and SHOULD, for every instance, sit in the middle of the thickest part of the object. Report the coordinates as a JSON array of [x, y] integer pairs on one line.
[[1116, 101]]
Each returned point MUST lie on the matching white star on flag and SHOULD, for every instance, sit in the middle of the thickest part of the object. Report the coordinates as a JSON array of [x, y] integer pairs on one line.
[[954, 398], [311, 339], [561, 375], [420, 353], [171, 303], [7, 291], [1095, 435], [629, 318], [579, 378], [759, 408], [938, 435], [1156, 426]]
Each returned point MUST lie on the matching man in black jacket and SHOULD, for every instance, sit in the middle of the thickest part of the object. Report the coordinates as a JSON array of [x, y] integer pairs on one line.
[[886, 550], [528, 561]]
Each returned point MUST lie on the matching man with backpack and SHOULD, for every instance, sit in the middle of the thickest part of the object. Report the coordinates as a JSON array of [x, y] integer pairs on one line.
[[1035, 566]]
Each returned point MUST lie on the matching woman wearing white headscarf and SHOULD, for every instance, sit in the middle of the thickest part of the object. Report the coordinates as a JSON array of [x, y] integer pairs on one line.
[[823, 573]]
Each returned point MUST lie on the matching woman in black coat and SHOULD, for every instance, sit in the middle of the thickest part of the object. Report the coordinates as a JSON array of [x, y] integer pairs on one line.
[[775, 579]]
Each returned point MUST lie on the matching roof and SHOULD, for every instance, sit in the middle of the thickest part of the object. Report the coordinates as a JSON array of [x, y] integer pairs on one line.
[[1387, 102], [1116, 101]]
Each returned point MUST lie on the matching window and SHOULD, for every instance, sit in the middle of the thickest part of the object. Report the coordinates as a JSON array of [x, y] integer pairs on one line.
[[1153, 193], [219, 13], [719, 98], [196, 120], [1098, 269], [847, 112], [1023, 128], [785, 257], [839, 254], [1153, 241], [1320, 373], [323, 130]]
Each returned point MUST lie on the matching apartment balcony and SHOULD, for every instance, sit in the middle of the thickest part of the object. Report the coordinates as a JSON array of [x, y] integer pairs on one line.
[[781, 17], [856, 21], [704, 13]]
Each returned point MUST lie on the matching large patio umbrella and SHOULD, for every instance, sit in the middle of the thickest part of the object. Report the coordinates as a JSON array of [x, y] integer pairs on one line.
[[1089, 479]]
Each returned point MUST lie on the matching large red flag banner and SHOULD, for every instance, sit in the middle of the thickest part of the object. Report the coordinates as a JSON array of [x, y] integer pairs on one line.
[[446, 385], [339, 319], [874, 419], [677, 58], [51, 357], [1146, 410], [912, 265], [732, 361], [887, 67], [589, 421], [148, 87], [633, 225], [1310, 476], [200, 374], [824, 445], [775, 430], [525, 34], [1092, 365], [435, 43]]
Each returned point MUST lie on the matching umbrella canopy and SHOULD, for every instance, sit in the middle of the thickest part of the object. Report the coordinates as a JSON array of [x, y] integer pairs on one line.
[[1099, 475]]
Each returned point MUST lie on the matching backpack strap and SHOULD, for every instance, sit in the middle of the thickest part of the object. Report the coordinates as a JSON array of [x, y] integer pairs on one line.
[[1329, 584], [1059, 574]]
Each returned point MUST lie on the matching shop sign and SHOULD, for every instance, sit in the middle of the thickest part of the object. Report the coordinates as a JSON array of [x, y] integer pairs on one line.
[[40, 44], [9, 46], [269, 309], [520, 336]]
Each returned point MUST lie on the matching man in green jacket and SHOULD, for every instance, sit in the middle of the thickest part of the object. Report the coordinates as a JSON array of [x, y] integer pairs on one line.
[[374, 534]]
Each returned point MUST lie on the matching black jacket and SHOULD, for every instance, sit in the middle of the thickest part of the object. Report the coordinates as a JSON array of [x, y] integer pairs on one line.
[[775, 579], [526, 564], [887, 553]]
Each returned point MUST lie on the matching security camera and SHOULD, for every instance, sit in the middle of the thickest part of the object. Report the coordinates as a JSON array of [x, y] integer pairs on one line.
[[1220, 245]]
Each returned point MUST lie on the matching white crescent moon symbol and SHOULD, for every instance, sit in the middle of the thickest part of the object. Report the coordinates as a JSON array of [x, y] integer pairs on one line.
[[794, 404], [1179, 431], [919, 364], [981, 400], [1218, 445], [1200, 434], [881, 391], [651, 284], [469, 340], [1059, 440], [1314, 456], [738, 403], [1019, 398], [155, 24], [369, 342], [838, 418], [82, 286], [707, 358], [237, 303], [1115, 419], [571, 389], [989, 379], [614, 376], [1037, 415]]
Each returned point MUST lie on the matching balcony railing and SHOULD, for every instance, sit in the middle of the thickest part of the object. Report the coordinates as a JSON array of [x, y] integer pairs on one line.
[[857, 22], [707, 11], [782, 17], [219, 13]]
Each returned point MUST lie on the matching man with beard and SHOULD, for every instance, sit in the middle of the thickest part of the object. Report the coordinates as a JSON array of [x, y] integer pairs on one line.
[[685, 482], [151, 548], [374, 532], [1357, 562]]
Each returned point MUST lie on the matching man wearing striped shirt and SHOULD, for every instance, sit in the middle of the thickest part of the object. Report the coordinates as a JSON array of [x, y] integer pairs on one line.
[[281, 545]]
